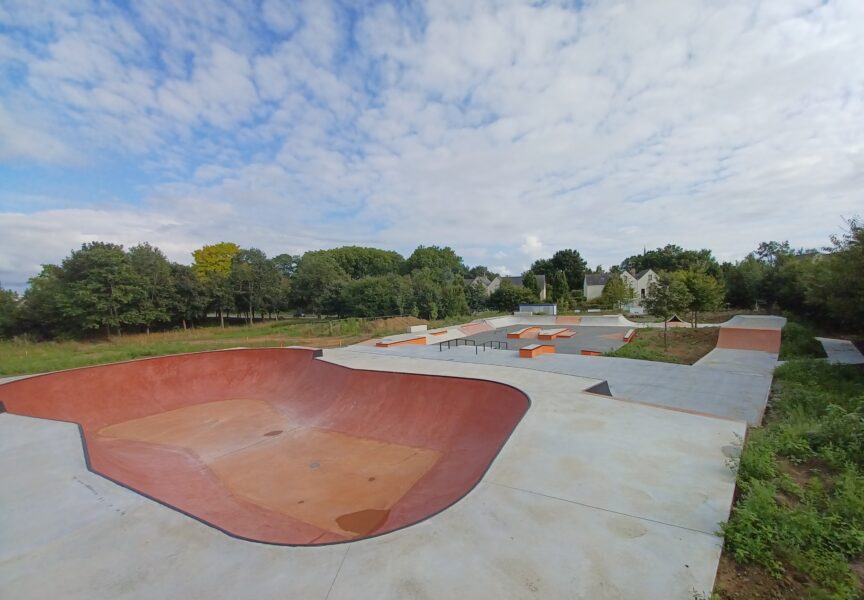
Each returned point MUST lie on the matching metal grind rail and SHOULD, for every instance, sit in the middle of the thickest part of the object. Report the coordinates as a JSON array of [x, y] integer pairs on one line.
[[491, 345]]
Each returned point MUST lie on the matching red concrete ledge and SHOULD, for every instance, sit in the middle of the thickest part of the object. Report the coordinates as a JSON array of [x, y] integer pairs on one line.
[[533, 350], [628, 337], [271, 445], [591, 353], [522, 333], [419, 341], [550, 334]]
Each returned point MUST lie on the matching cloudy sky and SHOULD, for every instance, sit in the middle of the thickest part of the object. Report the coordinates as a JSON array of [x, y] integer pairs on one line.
[[504, 129]]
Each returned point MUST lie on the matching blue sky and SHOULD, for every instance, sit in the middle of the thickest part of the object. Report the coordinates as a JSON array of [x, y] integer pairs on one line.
[[507, 130]]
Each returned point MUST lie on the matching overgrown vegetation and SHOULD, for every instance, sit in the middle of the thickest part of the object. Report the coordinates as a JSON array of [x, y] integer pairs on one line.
[[799, 341], [683, 345], [800, 514]]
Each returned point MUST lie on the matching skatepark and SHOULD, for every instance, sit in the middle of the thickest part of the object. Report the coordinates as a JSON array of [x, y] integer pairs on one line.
[[442, 463]]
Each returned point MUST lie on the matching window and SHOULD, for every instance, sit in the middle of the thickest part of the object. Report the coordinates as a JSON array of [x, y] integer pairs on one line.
[[643, 292]]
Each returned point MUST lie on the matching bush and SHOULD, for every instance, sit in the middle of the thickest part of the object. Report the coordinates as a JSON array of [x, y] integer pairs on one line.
[[798, 341]]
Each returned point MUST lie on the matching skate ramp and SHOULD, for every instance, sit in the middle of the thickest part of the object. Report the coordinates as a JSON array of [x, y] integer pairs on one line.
[[272, 445]]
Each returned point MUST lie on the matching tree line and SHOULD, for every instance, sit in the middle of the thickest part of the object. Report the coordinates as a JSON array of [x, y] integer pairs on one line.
[[104, 288]]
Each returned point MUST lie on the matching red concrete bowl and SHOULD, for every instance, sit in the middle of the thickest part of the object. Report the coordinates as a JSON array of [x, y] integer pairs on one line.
[[274, 446]]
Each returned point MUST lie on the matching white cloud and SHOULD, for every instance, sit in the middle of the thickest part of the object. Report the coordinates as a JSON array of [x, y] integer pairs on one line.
[[605, 129]]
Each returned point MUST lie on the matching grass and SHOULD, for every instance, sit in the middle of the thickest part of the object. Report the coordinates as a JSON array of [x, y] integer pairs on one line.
[[798, 341], [686, 345], [797, 529], [20, 356]]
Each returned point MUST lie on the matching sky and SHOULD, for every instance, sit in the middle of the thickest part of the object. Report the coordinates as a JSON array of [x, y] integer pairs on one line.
[[507, 130]]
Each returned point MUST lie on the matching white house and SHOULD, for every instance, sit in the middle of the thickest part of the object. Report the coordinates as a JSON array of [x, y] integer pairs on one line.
[[638, 282]]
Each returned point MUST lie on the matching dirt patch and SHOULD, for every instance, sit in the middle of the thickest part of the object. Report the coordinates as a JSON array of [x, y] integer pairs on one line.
[[686, 345], [748, 582]]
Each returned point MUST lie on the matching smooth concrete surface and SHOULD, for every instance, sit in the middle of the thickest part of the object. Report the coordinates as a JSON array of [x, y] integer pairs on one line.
[[590, 498], [600, 338], [731, 392], [842, 352]]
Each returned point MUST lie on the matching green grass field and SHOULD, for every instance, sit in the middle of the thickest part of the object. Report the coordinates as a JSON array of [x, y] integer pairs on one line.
[[19, 357]]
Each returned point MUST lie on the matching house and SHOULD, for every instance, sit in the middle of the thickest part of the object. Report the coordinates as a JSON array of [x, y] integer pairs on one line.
[[490, 286], [639, 282]]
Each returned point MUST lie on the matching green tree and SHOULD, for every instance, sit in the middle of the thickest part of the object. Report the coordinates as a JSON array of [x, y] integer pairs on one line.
[[153, 272], [212, 266], [744, 282], [428, 292], [508, 297], [40, 311], [476, 297], [377, 296], [100, 288], [529, 281], [569, 261], [359, 262], [561, 291], [318, 283], [443, 261], [673, 258], [286, 264], [616, 292], [834, 287], [666, 296], [481, 271], [8, 312], [706, 293], [453, 300], [189, 297], [255, 281]]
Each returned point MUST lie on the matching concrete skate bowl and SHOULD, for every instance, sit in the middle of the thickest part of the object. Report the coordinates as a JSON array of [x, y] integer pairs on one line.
[[271, 445]]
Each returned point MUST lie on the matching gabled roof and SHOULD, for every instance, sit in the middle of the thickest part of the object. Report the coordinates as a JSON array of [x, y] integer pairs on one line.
[[598, 279]]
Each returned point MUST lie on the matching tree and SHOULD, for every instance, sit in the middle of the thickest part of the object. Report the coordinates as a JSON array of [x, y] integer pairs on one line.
[[569, 261], [8, 312], [673, 258], [481, 271], [190, 299], [254, 280], [377, 296], [443, 261], [453, 301], [40, 311], [428, 292], [561, 291], [706, 293], [508, 297], [99, 288], [359, 262], [744, 282], [318, 283], [212, 266], [666, 297], [834, 287], [529, 281], [286, 264], [476, 297], [616, 292], [153, 272]]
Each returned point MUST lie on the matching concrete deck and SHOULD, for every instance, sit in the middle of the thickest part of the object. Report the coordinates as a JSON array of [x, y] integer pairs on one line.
[[733, 384], [841, 352], [591, 497]]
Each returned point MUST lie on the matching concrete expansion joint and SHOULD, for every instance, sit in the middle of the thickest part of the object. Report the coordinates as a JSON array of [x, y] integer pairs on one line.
[[600, 508], [339, 570]]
